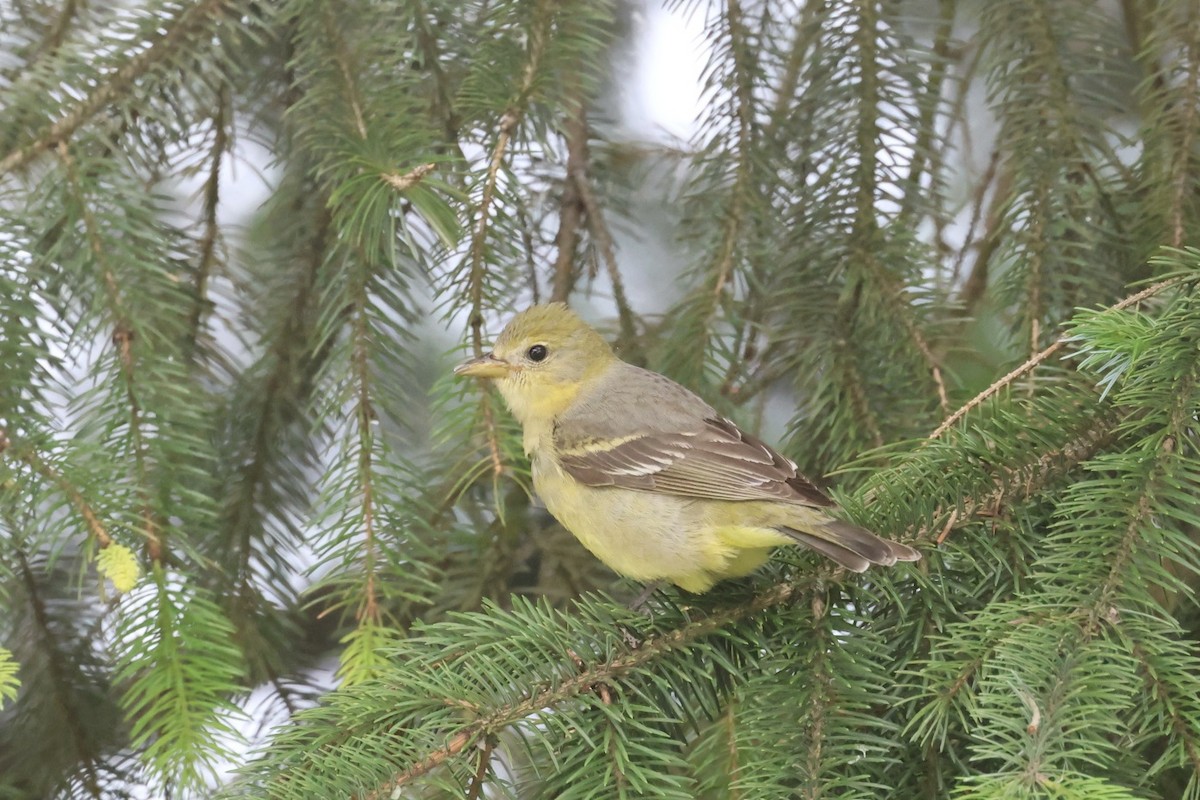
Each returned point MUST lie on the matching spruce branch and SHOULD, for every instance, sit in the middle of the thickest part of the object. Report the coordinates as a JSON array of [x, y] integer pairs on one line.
[[59, 668], [805, 33], [122, 337], [926, 158], [56, 34], [821, 698], [570, 207], [1189, 121], [190, 23], [209, 240], [30, 458], [404, 182], [509, 121], [483, 759], [866, 125], [742, 112], [1167, 698], [1016, 484], [273, 412], [492, 721], [1180, 418], [1035, 257], [364, 417], [529, 251], [851, 374], [1037, 358], [341, 57], [729, 721], [442, 103], [478, 266], [893, 295], [975, 286], [603, 238]]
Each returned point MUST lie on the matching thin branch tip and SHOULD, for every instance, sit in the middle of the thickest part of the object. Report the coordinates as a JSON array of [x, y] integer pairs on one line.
[[404, 182]]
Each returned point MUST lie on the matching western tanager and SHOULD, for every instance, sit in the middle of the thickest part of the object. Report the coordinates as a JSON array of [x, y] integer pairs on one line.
[[647, 475]]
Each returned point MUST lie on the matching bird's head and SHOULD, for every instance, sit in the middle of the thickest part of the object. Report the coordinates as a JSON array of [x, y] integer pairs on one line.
[[541, 359]]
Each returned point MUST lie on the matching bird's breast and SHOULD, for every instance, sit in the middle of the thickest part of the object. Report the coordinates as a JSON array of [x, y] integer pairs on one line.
[[641, 535]]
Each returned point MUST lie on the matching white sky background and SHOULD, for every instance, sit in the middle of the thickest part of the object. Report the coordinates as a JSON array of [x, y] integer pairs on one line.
[[663, 101]]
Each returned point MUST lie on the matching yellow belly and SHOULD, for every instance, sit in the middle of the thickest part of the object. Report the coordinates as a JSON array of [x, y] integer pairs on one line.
[[648, 536]]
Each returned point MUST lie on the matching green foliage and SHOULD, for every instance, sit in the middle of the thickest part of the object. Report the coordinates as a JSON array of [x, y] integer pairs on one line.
[[9, 683], [177, 679], [886, 212]]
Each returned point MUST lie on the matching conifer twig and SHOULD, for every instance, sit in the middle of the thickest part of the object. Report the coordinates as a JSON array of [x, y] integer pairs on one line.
[[604, 240], [35, 462], [508, 123], [402, 182], [122, 338], [1187, 109], [369, 612], [637, 654], [1159, 689], [59, 667], [1037, 358], [1027, 480], [189, 21], [475, 790], [570, 208], [976, 283], [743, 110], [212, 231], [341, 57], [56, 34], [623, 661]]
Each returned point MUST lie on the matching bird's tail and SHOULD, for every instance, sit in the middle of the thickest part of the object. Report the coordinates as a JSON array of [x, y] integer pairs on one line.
[[853, 547]]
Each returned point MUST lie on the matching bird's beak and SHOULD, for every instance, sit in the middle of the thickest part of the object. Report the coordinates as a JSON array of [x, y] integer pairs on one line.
[[487, 366]]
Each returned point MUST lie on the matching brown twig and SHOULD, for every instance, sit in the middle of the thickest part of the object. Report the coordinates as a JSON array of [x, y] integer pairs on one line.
[[551, 694], [365, 417], [743, 113], [342, 57], [947, 527], [1027, 479], [530, 252], [1161, 691], [123, 338], [1042, 355], [570, 207], [35, 462], [404, 182], [475, 790], [1182, 180], [508, 123], [478, 269], [926, 155], [56, 34], [975, 285], [604, 241], [208, 242], [176, 31]]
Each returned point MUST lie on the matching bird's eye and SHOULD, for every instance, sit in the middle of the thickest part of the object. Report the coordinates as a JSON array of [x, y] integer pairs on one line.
[[537, 353]]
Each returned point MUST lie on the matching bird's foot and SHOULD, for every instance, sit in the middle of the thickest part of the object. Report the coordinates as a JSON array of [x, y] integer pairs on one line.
[[641, 603]]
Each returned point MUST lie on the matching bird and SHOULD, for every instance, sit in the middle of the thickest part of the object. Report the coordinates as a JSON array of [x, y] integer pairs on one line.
[[648, 476]]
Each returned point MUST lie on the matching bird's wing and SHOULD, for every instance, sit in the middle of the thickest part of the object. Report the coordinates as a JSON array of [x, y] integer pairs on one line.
[[678, 446]]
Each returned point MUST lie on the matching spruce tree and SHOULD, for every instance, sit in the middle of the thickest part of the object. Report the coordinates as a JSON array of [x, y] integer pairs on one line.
[[256, 541]]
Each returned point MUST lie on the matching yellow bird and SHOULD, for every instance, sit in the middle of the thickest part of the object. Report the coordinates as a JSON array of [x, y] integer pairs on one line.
[[649, 477]]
